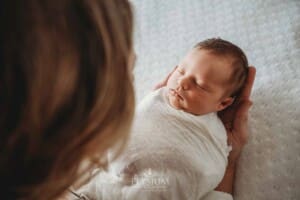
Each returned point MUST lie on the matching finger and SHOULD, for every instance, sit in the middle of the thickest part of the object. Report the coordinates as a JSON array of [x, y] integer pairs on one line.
[[241, 117], [249, 83], [243, 109], [164, 82]]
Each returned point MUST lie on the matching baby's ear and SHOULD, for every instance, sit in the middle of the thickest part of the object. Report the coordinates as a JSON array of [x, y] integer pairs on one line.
[[225, 103]]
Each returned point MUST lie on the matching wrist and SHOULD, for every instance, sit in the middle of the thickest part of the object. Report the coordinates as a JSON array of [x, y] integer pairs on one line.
[[232, 163], [227, 183], [233, 158]]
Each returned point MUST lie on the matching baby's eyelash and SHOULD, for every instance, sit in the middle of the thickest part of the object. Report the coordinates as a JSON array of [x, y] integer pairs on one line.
[[199, 86]]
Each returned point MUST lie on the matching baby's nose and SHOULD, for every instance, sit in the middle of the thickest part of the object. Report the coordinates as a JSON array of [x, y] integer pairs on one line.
[[184, 83]]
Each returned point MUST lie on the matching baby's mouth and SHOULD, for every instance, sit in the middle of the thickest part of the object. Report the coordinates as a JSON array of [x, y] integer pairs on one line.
[[175, 93]]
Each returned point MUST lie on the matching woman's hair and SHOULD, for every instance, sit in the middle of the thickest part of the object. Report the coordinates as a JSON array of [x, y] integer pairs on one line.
[[237, 57], [66, 94]]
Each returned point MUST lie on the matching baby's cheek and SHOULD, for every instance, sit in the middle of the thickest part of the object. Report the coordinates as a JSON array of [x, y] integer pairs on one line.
[[196, 99]]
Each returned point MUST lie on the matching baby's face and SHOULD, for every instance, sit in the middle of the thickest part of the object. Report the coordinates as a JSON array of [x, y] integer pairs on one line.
[[198, 84]]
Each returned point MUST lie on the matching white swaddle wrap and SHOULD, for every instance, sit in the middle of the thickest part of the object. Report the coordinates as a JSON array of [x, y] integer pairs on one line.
[[171, 155]]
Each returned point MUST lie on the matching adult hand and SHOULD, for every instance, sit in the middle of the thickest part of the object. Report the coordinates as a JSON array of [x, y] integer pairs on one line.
[[164, 82], [235, 119]]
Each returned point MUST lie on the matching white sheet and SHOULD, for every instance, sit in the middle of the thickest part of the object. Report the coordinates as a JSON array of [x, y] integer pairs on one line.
[[268, 31]]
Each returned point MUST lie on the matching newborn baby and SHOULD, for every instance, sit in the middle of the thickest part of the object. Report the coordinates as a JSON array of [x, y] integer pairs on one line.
[[178, 146]]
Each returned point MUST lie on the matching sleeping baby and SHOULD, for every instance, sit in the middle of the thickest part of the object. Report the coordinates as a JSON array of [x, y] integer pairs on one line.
[[178, 146]]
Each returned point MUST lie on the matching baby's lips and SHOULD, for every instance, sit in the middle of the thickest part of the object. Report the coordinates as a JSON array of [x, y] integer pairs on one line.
[[175, 93], [172, 91]]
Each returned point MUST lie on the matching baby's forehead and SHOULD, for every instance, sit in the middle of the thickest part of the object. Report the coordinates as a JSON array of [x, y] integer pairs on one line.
[[212, 62], [202, 56]]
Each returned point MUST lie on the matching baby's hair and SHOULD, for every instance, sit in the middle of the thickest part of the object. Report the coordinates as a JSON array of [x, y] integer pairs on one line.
[[239, 63]]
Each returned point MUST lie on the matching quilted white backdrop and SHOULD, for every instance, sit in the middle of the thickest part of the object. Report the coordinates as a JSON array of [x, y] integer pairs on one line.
[[269, 32]]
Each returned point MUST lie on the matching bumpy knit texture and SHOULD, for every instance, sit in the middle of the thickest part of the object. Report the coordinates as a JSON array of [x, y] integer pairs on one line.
[[269, 32]]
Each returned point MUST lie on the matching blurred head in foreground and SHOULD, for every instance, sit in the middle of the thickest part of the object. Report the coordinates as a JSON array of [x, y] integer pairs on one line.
[[65, 91]]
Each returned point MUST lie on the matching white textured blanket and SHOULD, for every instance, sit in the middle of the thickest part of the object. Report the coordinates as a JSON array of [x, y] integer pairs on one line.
[[171, 155], [269, 32]]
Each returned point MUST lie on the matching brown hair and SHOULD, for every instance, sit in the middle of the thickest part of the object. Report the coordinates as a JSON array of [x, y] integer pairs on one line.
[[65, 91], [238, 59]]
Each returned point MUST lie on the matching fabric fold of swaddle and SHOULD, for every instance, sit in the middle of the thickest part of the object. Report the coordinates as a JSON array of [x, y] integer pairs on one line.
[[171, 154]]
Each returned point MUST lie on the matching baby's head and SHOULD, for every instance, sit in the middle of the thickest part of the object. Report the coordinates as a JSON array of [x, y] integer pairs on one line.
[[208, 78]]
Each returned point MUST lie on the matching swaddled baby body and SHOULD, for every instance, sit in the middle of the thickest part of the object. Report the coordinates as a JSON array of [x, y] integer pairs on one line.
[[178, 146]]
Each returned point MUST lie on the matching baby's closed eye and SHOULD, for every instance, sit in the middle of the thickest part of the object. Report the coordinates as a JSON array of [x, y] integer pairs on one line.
[[201, 87]]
